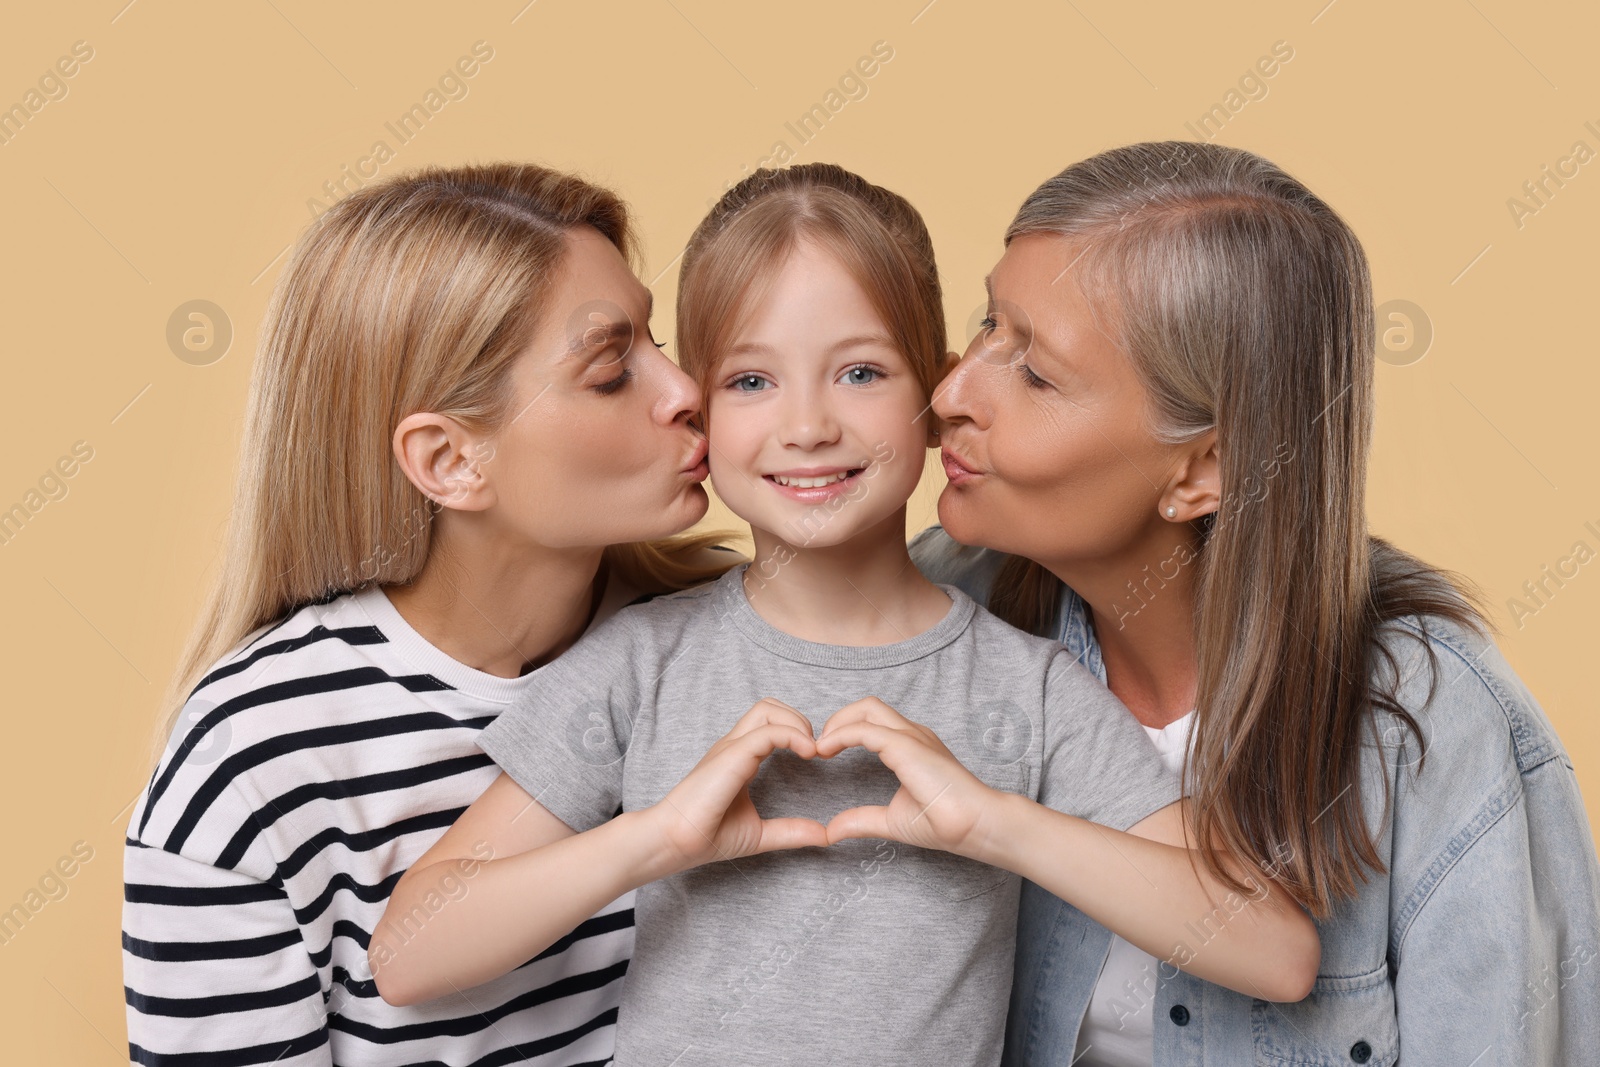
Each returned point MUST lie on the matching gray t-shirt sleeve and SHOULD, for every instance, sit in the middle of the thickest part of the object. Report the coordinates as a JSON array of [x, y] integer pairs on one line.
[[564, 737], [1098, 762]]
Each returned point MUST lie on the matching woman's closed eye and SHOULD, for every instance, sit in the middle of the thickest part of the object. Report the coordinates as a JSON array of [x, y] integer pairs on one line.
[[610, 359], [1029, 378], [608, 387]]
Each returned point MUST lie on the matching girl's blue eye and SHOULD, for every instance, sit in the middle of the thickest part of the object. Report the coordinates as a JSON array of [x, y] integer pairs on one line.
[[862, 375], [753, 381]]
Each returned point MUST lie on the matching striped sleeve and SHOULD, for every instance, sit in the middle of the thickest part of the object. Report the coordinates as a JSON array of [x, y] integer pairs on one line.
[[200, 942], [306, 772]]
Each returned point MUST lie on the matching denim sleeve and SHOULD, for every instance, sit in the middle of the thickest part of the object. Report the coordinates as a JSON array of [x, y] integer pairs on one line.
[[1495, 931], [1511, 968]]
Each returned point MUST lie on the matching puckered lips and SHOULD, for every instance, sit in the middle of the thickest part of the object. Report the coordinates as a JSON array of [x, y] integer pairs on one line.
[[697, 468], [956, 468]]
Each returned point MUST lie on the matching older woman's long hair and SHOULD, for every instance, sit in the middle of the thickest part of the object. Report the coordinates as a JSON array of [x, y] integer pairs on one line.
[[413, 294], [1244, 303]]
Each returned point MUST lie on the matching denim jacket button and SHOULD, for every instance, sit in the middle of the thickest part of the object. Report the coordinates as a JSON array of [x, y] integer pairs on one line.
[[1180, 1015], [1361, 1052]]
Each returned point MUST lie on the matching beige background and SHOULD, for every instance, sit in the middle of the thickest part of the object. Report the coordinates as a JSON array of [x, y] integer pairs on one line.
[[180, 163]]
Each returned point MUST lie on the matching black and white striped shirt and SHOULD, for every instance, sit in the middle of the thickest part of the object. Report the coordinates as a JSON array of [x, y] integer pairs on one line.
[[309, 769]]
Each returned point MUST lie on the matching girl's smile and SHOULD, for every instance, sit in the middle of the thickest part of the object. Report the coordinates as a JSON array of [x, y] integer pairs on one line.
[[815, 485]]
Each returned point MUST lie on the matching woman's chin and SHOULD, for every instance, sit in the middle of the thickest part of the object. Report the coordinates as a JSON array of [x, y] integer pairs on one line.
[[960, 519], [691, 506], [671, 516]]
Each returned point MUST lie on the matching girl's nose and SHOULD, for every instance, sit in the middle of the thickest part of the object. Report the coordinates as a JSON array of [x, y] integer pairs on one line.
[[807, 421]]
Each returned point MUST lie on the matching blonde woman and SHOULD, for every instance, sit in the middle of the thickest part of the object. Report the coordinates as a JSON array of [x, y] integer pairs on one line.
[[1157, 454], [463, 450]]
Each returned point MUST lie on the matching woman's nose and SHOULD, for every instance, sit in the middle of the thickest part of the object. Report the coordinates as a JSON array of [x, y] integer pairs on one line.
[[678, 397], [961, 396]]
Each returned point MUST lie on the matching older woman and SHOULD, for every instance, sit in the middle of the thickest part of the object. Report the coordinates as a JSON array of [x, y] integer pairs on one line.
[[1157, 454]]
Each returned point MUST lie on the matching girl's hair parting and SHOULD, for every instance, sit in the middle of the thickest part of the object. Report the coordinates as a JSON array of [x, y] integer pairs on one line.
[[740, 245]]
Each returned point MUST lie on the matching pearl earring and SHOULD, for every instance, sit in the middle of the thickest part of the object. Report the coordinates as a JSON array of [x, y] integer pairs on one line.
[[1172, 512]]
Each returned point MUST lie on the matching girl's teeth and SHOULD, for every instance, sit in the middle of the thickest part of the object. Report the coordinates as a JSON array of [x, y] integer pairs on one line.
[[810, 483]]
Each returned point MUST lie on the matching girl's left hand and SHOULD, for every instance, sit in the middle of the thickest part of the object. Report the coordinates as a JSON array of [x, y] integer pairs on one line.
[[940, 804]]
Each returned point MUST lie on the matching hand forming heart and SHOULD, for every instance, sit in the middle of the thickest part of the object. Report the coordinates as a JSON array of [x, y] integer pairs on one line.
[[939, 805]]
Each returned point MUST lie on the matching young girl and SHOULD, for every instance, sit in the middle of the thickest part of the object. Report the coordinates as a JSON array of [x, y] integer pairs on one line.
[[809, 311]]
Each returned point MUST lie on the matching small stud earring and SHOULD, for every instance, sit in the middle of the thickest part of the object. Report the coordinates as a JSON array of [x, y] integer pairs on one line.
[[1172, 512]]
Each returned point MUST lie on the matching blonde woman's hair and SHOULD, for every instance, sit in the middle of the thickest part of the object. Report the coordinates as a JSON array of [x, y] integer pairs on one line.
[[741, 244], [1245, 305], [413, 294]]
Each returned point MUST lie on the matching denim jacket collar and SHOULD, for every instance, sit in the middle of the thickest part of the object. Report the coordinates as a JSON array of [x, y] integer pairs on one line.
[[1076, 633]]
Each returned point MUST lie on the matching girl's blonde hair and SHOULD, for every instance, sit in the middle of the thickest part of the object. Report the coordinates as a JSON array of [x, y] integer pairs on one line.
[[1245, 305], [413, 294], [741, 244]]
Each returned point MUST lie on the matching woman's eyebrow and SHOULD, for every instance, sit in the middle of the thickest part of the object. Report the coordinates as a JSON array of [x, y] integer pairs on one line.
[[598, 336], [1021, 325]]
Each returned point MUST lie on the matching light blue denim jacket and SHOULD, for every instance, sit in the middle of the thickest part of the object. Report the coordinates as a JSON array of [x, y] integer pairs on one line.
[[1479, 945]]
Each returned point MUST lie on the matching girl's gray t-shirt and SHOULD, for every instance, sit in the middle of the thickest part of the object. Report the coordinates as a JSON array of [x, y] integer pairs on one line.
[[866, 950]]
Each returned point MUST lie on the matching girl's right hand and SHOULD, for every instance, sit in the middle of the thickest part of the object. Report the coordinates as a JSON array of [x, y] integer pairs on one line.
[[709, 816]]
